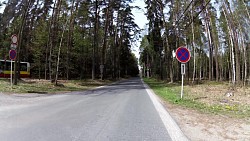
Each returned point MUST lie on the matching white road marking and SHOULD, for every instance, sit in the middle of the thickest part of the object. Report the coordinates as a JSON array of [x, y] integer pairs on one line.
[[173, 129]]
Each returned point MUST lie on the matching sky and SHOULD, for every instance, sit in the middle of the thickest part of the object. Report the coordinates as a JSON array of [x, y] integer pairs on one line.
[[1, 8], [140, 20]]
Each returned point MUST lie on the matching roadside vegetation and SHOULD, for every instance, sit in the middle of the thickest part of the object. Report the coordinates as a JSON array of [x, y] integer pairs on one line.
[[46, 87], [212, 98]]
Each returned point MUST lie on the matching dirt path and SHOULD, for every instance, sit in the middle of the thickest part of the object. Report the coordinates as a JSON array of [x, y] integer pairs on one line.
[[205, 127]]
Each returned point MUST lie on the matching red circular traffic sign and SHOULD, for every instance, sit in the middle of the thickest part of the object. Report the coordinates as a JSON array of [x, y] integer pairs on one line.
[[12, 54], [182, 54]]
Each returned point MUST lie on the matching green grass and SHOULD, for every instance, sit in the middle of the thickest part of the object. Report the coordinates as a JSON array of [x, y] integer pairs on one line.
[[47, 87], [171, 93]]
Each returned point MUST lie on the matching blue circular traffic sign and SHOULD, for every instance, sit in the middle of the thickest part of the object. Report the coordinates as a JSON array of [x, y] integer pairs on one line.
[[12, 54], [182, 54]]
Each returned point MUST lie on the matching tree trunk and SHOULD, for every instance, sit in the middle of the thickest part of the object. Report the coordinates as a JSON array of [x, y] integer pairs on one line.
[[167, 47], [95, 45], [119, 50], [53, 37], [103, 58], [59, 52], [216, 45], [232, 46], [49, 42], [69, 40], [194, 69], [20, 36], [234, 36], [207, 27], [244, 69]]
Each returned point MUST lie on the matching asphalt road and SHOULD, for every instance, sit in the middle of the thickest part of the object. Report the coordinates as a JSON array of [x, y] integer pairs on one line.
[[120, 112]]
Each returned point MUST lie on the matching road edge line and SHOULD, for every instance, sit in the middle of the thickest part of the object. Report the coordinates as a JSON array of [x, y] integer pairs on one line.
[[172, 127]]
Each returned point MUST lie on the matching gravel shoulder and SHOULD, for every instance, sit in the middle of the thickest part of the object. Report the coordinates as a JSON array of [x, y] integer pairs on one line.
[[15, 101], [19, 99]]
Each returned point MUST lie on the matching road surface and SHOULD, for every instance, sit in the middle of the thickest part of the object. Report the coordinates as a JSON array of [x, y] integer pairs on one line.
[[120, 112]]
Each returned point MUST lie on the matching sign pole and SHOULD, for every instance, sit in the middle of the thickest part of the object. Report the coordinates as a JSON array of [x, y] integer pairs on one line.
[[182, 55], [11, 73], [182, 77], [12, 54]]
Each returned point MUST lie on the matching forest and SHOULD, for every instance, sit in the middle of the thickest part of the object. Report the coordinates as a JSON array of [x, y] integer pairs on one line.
[[80, 39], [216, 32], [71, 39]]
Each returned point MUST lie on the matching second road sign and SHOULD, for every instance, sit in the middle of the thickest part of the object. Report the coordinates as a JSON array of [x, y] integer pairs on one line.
[[12, 54]]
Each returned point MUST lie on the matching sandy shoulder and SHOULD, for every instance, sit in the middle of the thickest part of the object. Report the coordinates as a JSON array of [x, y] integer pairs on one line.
[[206, 127]]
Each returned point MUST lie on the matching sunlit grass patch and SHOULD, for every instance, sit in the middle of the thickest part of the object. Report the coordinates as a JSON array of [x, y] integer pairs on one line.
[[209, 101], [44, 86]]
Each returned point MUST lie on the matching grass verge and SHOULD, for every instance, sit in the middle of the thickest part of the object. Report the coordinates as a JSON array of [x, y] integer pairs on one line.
[[43, 86], [171, 94]]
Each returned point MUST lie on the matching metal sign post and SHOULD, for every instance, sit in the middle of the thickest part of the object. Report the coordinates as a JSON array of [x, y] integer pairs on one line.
[[183, 56], [11, 74], [12, 54], [182, 78]]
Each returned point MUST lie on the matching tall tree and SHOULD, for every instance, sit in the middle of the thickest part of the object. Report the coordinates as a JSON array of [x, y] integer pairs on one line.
[[20, 37]]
